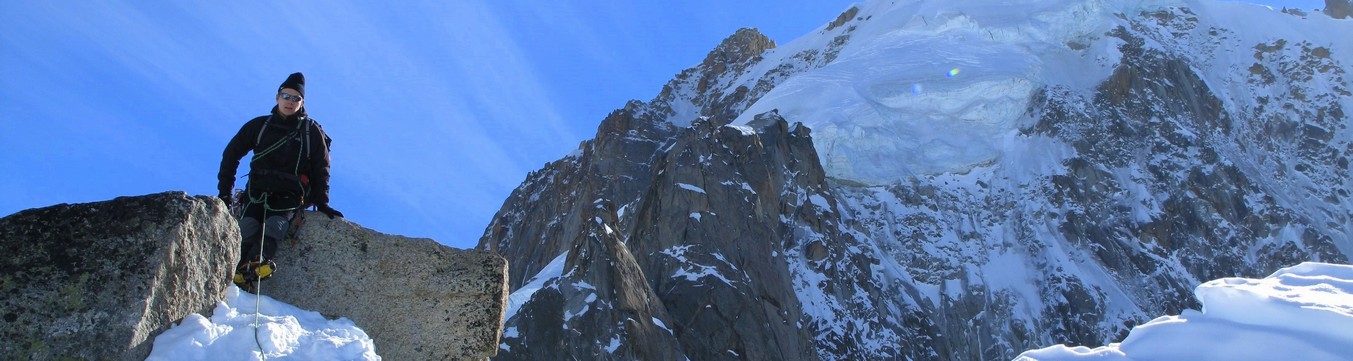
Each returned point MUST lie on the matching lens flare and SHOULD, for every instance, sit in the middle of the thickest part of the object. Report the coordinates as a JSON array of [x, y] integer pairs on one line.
[[953, 72], [916, 88]]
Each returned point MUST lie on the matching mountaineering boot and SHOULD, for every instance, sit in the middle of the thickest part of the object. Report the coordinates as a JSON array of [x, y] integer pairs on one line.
[[248, 274], [242, 280], [264, 270], [246, 286]]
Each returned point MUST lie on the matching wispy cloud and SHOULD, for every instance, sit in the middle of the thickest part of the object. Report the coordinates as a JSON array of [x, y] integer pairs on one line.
[[427, 101]]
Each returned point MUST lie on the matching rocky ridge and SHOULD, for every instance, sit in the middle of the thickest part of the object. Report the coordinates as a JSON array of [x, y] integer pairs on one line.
[[101, 280]]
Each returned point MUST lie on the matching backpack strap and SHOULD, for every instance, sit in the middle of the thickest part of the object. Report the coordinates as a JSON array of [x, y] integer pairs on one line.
[[263, 128], [309, 123]]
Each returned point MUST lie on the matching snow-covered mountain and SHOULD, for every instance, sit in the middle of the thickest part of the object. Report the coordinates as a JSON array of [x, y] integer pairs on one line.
[[939, 180]]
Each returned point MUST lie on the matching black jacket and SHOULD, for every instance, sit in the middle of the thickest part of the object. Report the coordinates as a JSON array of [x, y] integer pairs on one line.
[[291, 157]]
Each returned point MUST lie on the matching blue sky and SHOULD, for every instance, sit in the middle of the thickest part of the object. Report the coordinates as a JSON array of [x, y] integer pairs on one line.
[[437, 109]]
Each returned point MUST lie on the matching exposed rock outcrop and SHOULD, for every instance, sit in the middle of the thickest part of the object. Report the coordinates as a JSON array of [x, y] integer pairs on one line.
[[603, 276], [1339, 9], [100, 280], [732, 234], [416, 298], [712, 82]]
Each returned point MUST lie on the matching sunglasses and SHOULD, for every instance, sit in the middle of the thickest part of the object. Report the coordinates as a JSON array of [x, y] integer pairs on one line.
[[295, 98]]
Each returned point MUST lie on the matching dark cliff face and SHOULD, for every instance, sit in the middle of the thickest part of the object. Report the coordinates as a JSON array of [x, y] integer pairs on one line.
[[615, 165], [659, 286], [695, 232], [712, 241], [659, 194], [735, 226]]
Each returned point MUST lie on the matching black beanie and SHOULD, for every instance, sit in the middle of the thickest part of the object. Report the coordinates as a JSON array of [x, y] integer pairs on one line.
[[294, 81]]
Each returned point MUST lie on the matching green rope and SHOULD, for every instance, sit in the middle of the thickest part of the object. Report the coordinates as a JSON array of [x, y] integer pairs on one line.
[[280, 142], [273, 147], [268, 207]]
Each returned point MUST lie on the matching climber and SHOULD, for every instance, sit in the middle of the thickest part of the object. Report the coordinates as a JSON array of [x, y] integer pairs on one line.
[[289, 171]]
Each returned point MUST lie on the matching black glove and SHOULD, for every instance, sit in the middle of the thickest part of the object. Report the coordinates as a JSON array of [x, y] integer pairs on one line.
[[324, 208], [226, 198]]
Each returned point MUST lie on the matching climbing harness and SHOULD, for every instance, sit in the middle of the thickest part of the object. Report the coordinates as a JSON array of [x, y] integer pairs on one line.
[[303, 130], [297, 220]]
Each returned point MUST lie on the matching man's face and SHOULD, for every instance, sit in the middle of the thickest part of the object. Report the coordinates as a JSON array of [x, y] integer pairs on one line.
[[289, 101]]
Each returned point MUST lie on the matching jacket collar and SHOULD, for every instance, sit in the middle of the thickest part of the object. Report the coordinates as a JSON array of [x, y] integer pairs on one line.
[[299, 115]]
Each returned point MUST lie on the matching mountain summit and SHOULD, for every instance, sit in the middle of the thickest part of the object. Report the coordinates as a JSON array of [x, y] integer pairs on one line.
[[939, 180]]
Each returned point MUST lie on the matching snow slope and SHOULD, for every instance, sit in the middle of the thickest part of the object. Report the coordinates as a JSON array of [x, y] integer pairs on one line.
[[929, 87], [1303, 312]]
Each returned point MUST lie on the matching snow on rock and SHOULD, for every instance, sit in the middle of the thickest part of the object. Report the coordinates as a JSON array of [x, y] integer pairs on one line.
[[1303, 312], [691, 188], [284, 332], [693, 271], [523, 294]]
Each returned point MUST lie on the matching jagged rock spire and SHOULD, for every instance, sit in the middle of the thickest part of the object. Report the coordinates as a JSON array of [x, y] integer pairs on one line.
[[1339, 9], [743, 45]]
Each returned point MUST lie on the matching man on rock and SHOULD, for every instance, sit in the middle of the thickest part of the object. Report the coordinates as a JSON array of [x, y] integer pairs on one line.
[[289, 171]]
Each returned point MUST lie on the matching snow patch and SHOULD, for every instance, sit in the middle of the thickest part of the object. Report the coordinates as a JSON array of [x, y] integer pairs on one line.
[[690, 187], [819, 201], [746, 130], [519, 297], [692, 271], [284, 332]]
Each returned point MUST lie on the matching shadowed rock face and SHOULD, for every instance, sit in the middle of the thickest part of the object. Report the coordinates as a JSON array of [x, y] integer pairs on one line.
[[416, 298], [101, 280], [653, 303]]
